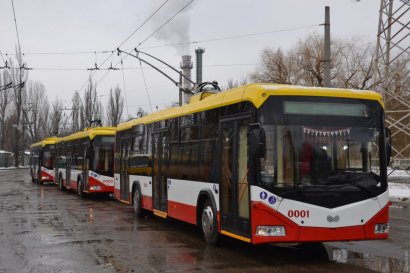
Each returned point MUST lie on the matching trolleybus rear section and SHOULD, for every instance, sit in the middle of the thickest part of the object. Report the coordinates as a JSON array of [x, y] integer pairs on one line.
[[42, 156]]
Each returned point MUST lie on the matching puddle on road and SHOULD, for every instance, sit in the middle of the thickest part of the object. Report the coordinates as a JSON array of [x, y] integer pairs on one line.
[[373, 262]]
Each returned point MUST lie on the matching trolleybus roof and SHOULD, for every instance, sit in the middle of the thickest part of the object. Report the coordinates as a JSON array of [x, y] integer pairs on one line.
[[90, 133], [46, 141], [254, 93]]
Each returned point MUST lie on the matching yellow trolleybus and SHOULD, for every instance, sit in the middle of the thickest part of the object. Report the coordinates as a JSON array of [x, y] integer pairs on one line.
[[85, 161], [42, 155], [262, 163]]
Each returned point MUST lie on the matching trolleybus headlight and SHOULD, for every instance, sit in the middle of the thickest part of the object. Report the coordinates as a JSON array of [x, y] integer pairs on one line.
[[44, 177], [270, 231], [95, 188], [381, 228]]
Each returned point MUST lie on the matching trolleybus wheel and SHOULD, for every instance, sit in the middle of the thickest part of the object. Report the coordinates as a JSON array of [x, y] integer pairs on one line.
[[60, 183], [137, 203], [209, 223]]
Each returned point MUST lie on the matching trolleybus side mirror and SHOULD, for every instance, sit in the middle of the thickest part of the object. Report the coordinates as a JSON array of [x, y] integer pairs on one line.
[[257, 140], [388, 145]]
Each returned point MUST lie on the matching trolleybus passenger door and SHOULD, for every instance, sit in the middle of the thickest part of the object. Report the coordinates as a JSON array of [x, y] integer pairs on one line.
[[68, 167], [234, 187], [159, 175], [124, 174]]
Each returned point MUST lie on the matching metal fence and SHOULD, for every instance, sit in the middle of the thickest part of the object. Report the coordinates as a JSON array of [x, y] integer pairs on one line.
[[6, 159]]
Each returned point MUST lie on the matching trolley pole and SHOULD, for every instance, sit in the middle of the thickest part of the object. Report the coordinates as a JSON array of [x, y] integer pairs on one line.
[[326, 73], [180, 88]]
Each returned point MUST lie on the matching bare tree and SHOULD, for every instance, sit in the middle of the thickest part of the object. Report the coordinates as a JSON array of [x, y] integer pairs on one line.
[[75, 112], [275, 67], [353, 66], [5, 98], [91, 108], [56, 117], [36, 111], [115, 107], [303, 64], [231, 83], [18, 76]]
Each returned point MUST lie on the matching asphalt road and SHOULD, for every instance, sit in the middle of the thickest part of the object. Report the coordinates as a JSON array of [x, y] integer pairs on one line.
[[45, 230]]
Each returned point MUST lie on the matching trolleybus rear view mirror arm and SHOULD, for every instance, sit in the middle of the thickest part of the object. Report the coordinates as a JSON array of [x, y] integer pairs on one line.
[[257, 140]]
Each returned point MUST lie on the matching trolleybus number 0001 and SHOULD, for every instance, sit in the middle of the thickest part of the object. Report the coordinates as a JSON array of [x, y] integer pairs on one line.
[[298, 213]]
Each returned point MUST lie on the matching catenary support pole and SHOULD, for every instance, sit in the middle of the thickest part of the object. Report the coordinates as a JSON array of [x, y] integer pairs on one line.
[[327, 61]]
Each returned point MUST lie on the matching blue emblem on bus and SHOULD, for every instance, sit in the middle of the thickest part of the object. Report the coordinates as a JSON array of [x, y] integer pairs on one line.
[[263, 195], [272, 200]]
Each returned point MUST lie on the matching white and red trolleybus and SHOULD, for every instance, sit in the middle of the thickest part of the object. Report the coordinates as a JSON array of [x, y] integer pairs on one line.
[[85, 161], [42, 155], [262, 163]]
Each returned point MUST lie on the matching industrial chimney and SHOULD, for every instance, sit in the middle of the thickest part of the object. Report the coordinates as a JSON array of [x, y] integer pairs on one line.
[[199, 51], [186, 66]]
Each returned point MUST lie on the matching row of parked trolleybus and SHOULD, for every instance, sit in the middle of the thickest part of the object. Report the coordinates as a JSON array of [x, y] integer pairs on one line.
[[261, 163]]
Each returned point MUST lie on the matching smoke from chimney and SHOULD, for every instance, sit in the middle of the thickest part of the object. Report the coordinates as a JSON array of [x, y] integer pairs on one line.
[[177, 30]]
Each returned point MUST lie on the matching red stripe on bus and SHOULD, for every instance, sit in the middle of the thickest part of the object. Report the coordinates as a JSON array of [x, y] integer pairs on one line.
[[262, 215], [50, 177], [382, 217], [104, 188], [265, 216], [147, 202], [182, 212]]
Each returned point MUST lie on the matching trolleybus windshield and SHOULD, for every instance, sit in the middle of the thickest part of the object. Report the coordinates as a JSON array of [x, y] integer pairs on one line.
[[48, 157], [323, 151], [103, 155]]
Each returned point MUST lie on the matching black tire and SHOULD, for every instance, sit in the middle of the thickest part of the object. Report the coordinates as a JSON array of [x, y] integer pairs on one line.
[[209, 224], [80, 188], [137, 202], [60, 183]]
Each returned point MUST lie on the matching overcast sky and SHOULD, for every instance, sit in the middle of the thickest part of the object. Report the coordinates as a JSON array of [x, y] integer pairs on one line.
[[66, 26]]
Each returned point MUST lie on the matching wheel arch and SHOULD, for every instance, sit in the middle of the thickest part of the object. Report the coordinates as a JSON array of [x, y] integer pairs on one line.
[[202, 197]]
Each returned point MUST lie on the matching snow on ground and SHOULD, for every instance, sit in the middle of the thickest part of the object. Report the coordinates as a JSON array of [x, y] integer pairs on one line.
[[399, 192], [402, 174]]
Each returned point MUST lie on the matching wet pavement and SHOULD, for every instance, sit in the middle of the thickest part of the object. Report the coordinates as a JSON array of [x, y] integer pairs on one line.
[[45, 230]]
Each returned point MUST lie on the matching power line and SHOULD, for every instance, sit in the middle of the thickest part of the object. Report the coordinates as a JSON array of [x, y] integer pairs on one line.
[[143, 23], [149, 36], [175, 44], [125, 68], [123, 82], [232, 37], [65, 52], [122, 43], [15, 24], [146, 88]]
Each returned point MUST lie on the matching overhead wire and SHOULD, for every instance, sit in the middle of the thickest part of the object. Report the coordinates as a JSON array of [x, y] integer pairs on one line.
[[122, 43], [166, 22], [15, 24], [123, 82], [125, 68], [146, 87], [176, 44]]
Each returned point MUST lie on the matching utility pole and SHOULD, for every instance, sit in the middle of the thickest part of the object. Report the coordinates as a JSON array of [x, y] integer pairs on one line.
[[326, 72]]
